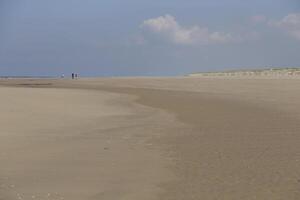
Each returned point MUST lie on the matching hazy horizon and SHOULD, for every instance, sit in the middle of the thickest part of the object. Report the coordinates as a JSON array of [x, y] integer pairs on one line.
[[146, 38]]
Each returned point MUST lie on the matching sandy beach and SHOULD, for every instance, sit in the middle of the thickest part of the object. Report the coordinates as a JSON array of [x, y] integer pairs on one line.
[[150, 138]]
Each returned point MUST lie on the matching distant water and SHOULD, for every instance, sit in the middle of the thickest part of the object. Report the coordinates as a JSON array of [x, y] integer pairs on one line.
[[28, 77]]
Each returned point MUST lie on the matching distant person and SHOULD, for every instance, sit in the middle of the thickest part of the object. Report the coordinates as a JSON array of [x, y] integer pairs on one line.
[[73, 75], [76, 75]]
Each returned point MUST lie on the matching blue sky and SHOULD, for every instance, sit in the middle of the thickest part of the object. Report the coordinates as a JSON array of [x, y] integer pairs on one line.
[[143, 37]]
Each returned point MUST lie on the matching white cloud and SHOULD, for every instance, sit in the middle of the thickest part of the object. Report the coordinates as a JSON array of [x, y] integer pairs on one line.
[[290, 24], [168, 28]]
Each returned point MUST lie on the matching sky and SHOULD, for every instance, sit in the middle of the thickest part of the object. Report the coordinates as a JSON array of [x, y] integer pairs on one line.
[[146, 37]]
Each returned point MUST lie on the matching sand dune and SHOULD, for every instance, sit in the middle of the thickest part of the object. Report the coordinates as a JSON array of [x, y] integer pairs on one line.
[[150, 138]]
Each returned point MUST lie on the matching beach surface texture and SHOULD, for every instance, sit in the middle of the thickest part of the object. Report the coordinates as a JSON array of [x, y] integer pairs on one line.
[[183, 138]]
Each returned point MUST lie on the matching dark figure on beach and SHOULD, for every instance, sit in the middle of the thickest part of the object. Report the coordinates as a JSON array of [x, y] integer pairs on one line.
[[72, 75], [76, 75]]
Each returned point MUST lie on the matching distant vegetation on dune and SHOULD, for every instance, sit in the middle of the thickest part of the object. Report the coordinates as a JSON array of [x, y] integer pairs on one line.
[[278, 71]]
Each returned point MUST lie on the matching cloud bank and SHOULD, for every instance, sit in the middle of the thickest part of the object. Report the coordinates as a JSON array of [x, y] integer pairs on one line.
[[289, 24], [169, 29]]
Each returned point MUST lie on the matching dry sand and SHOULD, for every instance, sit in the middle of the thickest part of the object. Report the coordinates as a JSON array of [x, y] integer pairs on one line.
[[150, 138]]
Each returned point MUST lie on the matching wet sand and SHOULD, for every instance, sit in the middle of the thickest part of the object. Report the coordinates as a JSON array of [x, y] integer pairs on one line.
[[150, 138]]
